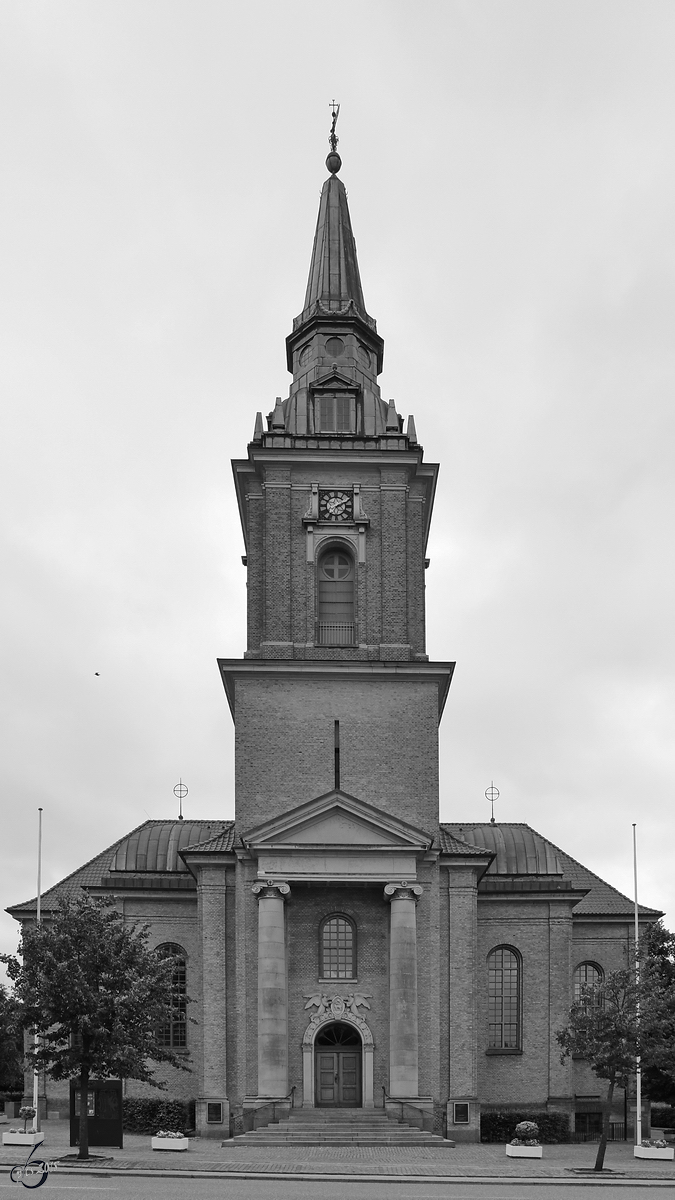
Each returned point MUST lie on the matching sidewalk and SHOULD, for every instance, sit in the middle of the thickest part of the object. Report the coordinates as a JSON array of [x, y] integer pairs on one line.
[[484, 1162]]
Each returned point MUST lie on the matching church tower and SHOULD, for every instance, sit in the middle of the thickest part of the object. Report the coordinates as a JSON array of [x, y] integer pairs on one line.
[[336, 708], [335, 500]]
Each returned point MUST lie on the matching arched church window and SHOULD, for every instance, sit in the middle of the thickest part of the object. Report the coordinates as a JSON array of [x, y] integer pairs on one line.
[[588, 979], [174, 1032], [336, 598], [337, 948], [504, 999]]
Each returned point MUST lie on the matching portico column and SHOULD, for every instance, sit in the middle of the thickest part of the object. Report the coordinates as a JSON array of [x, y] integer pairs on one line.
[[272, 990], [403, 1044]]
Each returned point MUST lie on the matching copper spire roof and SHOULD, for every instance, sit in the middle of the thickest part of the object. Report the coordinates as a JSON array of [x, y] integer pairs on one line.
[[334, 278]]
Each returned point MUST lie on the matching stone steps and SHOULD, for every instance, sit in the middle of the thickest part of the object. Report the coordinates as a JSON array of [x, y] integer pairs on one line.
[[342, 1127]]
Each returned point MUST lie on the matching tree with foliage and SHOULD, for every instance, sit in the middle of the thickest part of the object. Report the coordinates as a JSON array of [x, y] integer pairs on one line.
[[11, 1044], [614, 1022], [658, 945], [95, 995]]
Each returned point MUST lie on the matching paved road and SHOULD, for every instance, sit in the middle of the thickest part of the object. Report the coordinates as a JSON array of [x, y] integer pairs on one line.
[[121, 1188]]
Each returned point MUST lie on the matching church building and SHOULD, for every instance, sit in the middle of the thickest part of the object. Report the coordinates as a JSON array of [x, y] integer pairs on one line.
[[341, 946]]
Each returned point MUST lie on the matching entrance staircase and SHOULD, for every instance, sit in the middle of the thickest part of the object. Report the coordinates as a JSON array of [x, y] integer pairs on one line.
[[339, 1127]]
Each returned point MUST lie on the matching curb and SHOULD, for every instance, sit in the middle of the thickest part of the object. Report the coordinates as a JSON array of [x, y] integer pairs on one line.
[[328, 1177]]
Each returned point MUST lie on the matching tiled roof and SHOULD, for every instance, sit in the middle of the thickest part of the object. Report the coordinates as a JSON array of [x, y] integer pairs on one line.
[[450, 844], [521, 851], [93, 872], [222, 842]]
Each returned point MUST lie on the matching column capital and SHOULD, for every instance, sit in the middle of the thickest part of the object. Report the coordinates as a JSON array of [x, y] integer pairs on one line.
[[271, 889], [403, 891]]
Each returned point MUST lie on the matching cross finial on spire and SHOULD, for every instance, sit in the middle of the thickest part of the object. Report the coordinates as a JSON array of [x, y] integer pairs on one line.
[[334, 162]]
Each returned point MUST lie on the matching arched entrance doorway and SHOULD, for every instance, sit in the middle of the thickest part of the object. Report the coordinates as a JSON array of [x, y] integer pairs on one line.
[[337, 1065]]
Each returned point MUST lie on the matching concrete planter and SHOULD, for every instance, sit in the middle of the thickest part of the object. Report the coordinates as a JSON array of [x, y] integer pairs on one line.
[[22, 1139], [169, 1143], [662, 1152], [524, 1151]]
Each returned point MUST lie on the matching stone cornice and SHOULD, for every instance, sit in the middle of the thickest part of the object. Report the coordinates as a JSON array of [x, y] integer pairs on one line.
[[363, 672]]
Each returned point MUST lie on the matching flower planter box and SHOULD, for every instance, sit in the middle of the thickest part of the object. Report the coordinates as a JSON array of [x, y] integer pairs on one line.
[[22, 1139], [666, 1152], [169, 1143], [524, 1151]]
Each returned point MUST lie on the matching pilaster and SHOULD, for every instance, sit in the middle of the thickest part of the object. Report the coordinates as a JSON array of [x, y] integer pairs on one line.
[[462, 1000], [212, 897]]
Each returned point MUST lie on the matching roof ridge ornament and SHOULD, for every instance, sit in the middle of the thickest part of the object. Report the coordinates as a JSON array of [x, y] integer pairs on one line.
[[334, 162], [492, 794]]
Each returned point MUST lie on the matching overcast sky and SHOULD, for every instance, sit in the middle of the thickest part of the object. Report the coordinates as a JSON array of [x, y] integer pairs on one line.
[[510, 174]]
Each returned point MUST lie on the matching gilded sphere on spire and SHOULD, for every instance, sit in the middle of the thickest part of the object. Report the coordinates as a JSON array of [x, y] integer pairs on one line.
[[333, 162]]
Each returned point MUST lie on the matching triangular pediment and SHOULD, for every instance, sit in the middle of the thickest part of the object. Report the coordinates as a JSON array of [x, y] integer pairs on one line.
[[334, 381], [337, 819]]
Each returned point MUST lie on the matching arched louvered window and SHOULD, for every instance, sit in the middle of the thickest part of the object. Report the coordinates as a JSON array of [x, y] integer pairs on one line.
[[174, 1032], [504, 999], [336, 598], [337, 948], [588, 979]]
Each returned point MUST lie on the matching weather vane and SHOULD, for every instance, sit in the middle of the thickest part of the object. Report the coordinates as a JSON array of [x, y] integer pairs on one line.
[[492, 794], [180, 791], [333, 138], [334, 162]]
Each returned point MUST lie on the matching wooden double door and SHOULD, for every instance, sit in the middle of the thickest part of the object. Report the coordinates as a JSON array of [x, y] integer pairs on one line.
[[338, 1068]]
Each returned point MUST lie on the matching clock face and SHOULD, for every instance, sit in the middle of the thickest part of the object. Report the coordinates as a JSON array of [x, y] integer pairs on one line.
[[336, 506]]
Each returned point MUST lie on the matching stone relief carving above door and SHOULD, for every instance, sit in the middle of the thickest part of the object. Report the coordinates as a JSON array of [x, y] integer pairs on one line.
[[338, 1007]]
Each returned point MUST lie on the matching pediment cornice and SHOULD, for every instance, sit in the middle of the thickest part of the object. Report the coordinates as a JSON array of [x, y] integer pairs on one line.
[[337, 819]]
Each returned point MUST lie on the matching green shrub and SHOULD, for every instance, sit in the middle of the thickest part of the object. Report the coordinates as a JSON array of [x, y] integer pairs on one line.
[[501, 1126], [149, 1114], [663, 1116]]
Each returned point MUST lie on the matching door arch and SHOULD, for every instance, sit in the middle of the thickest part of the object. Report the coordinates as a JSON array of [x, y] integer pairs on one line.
[[336, 1010], [338, 1051]]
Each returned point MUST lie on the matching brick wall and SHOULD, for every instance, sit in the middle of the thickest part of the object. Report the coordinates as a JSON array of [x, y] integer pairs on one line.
[[528, 926], [390, 583], [284, 749]]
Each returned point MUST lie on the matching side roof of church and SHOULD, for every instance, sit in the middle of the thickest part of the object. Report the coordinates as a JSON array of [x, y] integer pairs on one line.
[[151, 857]]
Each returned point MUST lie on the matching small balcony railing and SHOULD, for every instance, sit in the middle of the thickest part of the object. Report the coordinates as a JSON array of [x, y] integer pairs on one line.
[[336, 633]]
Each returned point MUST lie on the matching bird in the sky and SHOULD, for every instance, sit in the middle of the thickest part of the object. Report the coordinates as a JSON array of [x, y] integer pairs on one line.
[[97, 672]]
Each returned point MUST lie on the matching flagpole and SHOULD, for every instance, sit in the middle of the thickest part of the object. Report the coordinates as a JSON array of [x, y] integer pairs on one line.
[[36, 1074], [638, 1067]]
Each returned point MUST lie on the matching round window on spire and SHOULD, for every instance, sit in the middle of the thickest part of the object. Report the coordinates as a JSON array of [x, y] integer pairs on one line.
[[364, 355], [305, 355], [335, 347]]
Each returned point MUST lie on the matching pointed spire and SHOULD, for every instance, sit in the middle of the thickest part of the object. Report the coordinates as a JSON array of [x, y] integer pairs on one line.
[[392, 418], [334, 324], [411, 432], [334, 278], [258, 427]]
